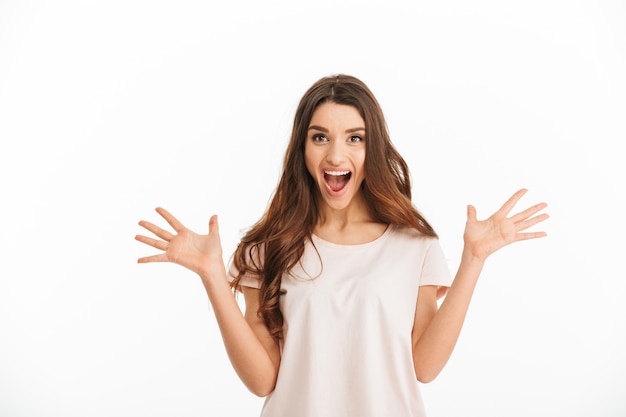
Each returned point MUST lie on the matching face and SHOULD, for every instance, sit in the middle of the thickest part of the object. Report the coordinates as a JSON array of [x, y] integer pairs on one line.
[[335, 153]]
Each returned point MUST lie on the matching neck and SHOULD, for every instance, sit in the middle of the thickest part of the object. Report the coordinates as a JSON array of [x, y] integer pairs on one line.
[[353, 224], [356, 212]]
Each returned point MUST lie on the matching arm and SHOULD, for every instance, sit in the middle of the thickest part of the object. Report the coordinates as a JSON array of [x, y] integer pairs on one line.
[[252, 351], [436, 331]]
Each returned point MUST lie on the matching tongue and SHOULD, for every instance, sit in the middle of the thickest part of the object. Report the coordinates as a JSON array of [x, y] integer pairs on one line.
[[336, 182]]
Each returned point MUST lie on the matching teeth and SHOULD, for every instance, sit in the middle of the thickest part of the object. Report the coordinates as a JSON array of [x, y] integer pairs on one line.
[[337, 173]]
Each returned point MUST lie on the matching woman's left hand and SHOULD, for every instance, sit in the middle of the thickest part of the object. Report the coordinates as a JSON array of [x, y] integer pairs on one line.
[[484, 237]]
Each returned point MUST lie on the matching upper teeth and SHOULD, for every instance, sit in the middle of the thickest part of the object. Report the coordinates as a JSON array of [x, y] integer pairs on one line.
[[337, 173]]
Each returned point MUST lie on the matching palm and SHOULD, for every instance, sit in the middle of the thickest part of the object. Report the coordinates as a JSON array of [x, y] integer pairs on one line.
[[194, 251], [482, 238]]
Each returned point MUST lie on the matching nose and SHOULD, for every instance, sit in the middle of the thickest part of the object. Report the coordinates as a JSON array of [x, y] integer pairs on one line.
[[336, 153]]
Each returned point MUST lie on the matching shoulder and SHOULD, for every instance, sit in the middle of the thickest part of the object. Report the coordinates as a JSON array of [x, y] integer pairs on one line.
[[246, 264], [410, 235], [411, 242]]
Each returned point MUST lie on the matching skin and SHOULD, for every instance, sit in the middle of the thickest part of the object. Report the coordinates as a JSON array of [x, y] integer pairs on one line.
[[344, 219], [337, 141]]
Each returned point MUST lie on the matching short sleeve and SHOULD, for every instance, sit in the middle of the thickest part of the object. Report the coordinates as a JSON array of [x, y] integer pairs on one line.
[[435, 270], [248, 280]]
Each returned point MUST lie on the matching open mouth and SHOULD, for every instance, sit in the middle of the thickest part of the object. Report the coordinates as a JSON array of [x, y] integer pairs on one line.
[[337, 180]]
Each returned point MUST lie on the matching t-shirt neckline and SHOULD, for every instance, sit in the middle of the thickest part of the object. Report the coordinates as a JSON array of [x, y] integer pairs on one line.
[[383, 236]]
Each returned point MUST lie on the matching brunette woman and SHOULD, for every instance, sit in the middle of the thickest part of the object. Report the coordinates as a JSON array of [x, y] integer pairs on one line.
[[341, 275]]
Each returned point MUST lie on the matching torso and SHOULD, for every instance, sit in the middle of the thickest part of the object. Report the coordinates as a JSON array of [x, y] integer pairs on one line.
[[348, 314]]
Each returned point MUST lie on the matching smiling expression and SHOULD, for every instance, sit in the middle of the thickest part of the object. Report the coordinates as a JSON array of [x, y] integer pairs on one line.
[[335, 153]]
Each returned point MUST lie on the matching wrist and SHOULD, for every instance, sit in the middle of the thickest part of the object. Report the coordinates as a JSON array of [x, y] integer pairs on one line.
[[471, 259], [213, 276]]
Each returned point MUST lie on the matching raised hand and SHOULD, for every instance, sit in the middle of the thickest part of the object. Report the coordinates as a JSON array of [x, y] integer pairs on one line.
[[482, 238], [199, 253]]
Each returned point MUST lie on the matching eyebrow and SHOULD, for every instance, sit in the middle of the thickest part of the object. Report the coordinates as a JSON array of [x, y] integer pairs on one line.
[[323, 129]]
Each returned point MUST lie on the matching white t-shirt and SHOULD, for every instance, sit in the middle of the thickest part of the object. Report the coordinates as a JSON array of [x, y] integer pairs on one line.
[[348, 315]]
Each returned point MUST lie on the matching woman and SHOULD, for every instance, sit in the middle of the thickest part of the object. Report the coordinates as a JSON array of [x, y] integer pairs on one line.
[[341, 276]]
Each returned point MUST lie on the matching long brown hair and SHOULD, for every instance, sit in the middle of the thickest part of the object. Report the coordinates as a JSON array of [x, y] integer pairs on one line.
[[276, 242]]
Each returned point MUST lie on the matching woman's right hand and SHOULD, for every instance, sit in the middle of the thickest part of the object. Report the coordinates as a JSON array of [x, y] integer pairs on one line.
[[255, 355], [199, 253]]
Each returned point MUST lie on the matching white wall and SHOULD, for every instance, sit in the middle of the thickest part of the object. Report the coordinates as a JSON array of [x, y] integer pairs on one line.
[[111, 108]]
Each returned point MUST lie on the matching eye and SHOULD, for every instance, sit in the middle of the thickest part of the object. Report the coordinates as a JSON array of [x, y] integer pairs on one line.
[[355, 139], [319, 138]]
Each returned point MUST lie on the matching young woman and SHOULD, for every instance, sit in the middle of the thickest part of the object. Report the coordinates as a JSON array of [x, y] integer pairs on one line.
[[341, 276]]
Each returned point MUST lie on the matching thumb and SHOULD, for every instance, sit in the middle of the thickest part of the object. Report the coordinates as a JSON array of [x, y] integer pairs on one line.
[[213, 225], [471, 213]]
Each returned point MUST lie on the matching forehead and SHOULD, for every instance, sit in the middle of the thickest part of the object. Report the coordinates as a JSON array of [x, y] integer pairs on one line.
[[335, 115]]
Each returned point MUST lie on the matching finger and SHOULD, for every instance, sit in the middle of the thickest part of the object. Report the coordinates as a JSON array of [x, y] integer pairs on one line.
[[529, 235], [471, 213], [176, 225], [510, 203], [163, 234], [532, 221], [528, 212], [159, 244], [214, 227], [154, 258]]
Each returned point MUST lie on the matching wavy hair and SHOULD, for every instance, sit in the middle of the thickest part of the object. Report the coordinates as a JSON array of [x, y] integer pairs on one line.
[[272, 246]]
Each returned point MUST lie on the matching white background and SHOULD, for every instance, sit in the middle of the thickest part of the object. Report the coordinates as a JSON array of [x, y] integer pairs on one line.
[[111, 108]]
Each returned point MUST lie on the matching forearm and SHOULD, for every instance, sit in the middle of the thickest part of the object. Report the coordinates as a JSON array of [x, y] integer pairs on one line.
[[434, 347], [250, 359]]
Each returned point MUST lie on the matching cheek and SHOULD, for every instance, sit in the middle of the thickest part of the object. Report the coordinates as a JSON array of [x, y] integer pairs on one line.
[[359, 161], [310, 160]]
